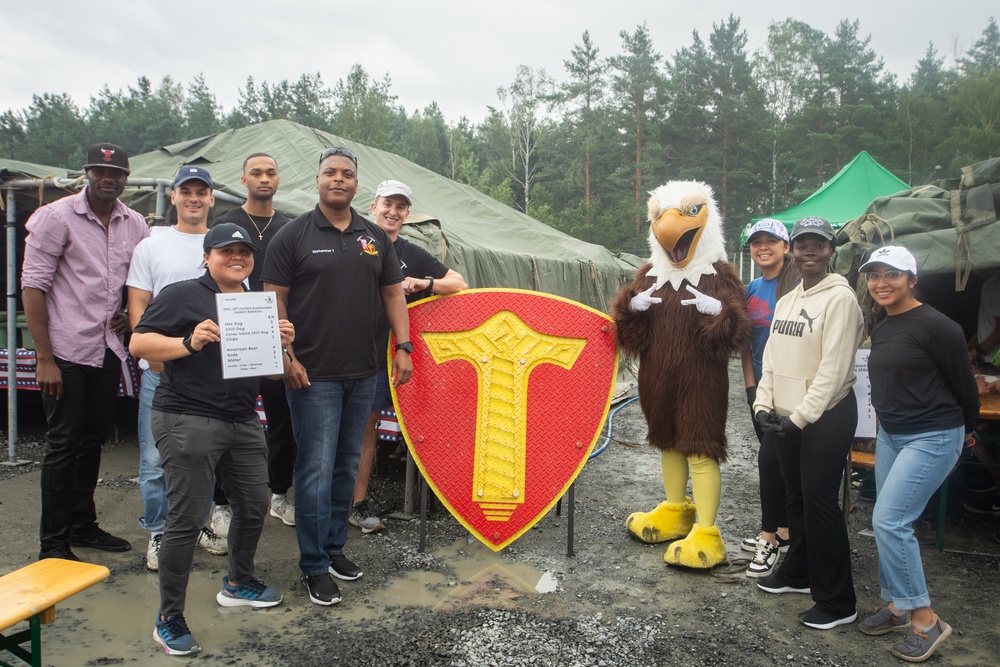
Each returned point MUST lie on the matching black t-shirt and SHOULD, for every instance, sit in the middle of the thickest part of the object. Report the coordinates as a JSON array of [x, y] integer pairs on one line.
[[414, 262], [263, 229], [920, 374], [333, 299], [193, 385]]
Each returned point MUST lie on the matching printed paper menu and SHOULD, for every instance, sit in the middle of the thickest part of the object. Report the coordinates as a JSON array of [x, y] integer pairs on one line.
[[251, 342]]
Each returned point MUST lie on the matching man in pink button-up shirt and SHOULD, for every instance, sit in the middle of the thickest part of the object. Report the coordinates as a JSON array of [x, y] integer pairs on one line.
[[76, 259]]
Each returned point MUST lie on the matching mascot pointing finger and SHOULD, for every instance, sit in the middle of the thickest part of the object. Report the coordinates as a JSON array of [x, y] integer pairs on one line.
[[683, 316]]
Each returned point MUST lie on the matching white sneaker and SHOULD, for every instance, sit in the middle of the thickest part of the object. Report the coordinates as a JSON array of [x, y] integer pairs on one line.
[[283, 508], [153, 553], [360, 517], [221, 518], [765, 560], [213, 543]]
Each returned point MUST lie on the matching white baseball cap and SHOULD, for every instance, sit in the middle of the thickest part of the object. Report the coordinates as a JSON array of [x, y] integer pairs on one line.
[[390, 188], [897, 257], [771, 226]]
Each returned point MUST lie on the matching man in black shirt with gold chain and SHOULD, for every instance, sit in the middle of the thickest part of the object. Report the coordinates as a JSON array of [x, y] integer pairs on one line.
[[262, 222]]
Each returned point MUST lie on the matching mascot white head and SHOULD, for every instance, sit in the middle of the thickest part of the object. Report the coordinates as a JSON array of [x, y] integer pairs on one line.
[[685, 235]]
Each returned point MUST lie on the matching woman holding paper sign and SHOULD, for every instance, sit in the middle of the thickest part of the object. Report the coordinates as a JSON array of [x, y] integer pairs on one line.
[[927, 403], [203, 425]]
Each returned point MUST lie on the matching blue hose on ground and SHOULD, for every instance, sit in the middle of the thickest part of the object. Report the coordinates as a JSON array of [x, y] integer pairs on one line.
[[611, 418]]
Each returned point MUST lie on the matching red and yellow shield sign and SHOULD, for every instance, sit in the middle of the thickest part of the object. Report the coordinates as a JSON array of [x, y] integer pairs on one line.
[[509, 393]]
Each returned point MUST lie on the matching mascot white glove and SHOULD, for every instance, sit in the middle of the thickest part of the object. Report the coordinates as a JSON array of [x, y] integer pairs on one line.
[[643, 300], [706, 305]]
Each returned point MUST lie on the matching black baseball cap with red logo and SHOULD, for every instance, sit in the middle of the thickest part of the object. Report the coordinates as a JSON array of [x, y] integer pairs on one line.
[[107, 155]]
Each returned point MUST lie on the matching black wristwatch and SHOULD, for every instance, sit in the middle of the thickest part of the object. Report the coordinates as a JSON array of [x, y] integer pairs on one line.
[[405, 346], [187, 344], [430, 283]]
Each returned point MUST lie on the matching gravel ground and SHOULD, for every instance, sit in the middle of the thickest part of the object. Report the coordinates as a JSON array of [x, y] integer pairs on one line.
[[458, 603]]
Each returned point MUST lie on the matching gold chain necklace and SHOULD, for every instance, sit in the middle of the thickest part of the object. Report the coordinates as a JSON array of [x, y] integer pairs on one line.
[[260, 232]]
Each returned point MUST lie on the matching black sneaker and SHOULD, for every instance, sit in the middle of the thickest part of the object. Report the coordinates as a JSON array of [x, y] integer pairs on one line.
[[96, 538], [63, 552], [989, 505], [322, 589], [978, 479], [776, 584], [824, 620], [343, 568]]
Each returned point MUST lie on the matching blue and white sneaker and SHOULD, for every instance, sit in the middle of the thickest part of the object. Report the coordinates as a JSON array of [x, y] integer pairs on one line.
[[173, 635], [252, 593]]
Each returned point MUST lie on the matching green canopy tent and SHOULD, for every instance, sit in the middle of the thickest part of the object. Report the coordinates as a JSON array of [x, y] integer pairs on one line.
[[951, 227], [843, 197], [489, 243]]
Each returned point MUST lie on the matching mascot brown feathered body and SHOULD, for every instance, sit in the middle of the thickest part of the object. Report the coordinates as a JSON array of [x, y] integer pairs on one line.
[[683, 316]]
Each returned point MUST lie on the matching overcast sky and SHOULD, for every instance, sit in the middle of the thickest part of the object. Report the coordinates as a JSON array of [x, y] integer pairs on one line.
[[454, 52]]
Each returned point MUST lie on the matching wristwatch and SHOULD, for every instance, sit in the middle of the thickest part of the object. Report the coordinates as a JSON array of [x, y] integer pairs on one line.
[[187, 344], [430, 283], [406, 346]]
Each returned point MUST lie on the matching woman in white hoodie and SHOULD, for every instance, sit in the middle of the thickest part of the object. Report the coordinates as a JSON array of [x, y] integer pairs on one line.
[[805, 399]]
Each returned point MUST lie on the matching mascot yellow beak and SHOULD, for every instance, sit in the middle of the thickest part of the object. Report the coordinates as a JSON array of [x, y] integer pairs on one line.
[[678, 232]]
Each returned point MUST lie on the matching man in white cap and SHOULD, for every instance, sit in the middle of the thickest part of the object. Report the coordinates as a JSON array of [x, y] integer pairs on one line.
[[76, 257], [425, 276]]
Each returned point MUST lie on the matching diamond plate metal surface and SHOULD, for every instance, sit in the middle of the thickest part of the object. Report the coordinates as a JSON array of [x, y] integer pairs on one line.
[[509, 393]]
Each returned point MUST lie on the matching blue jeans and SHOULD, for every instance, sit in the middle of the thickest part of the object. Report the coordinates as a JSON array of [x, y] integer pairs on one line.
[[328, 420], [151, 484], [908, 470]]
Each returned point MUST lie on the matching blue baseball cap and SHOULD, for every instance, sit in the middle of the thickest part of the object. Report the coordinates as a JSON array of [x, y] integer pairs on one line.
[[773, 227], [191, 173]]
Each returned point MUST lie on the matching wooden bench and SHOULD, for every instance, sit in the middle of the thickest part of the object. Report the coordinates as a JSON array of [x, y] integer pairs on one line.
[[865, 460], [32, 592]]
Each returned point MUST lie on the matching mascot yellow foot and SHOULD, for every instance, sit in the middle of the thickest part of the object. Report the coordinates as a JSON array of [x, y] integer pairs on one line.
[[667, 522], [703, 548]]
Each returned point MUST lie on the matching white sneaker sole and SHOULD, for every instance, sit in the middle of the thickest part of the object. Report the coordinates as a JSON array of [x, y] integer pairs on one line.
[[784, 589], [170, 651], [227, 601], [832, 624], [283, 519], [757, 574]]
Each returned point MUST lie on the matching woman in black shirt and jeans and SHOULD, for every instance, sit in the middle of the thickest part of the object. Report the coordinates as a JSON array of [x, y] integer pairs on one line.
[[926, 400]]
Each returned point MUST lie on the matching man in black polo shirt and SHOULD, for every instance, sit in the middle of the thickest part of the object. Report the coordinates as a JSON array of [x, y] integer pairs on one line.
[[205, 424], [333, 272]]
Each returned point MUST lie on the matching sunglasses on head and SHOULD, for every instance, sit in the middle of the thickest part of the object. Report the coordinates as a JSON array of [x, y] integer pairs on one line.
[[888, 275], [336, 150]]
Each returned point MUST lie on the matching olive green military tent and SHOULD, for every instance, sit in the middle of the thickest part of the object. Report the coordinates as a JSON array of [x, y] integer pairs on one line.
[[489, 243], [950, 226], [844, 196]]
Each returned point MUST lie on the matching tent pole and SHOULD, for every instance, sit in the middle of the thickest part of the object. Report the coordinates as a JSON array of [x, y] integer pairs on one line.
[[12, 459]]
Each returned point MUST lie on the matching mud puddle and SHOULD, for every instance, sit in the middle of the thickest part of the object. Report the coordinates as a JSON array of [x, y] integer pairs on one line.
[[112, 623]]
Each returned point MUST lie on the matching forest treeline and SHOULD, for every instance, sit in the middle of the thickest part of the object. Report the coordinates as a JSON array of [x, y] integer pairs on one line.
[[580, 149]]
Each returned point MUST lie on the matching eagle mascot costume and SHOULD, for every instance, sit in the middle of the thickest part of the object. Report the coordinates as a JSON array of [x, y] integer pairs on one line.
[[683, 316]]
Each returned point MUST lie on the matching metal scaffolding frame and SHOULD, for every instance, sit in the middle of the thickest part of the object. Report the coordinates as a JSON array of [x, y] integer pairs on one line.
[[12, 186]]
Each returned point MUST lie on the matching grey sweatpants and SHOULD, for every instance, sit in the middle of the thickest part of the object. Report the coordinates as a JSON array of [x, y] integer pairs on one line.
[[193, 450]]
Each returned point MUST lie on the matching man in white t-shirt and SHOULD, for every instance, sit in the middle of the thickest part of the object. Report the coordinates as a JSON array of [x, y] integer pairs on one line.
[[169, 256]]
